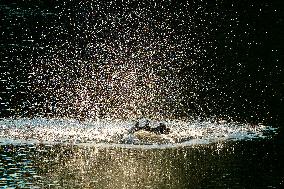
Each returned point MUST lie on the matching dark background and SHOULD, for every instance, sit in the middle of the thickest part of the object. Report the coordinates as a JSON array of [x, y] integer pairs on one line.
[[226, 56]]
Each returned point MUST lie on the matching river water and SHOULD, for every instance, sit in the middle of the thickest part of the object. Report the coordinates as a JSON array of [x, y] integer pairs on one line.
[[245, 164], [75, 77], [50, 153]]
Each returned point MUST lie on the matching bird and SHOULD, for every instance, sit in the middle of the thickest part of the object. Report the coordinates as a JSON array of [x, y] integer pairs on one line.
[[144, 125]]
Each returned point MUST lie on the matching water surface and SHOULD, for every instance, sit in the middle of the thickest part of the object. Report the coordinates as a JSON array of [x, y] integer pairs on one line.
[[52, 153]]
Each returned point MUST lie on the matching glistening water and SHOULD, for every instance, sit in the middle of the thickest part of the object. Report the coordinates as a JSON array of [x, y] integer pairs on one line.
[[52, 131], [77, 76]]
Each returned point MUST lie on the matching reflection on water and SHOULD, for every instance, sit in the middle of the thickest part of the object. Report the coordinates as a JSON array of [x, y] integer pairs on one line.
[[243, 164]]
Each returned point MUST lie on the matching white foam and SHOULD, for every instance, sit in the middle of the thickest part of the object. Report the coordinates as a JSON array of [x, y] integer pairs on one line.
[[116, 132]]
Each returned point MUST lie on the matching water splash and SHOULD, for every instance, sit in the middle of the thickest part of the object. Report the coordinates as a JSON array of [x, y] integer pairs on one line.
[[127, 60], [117, 132], [100, 60]]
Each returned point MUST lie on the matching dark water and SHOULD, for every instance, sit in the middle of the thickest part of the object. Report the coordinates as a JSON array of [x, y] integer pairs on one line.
[[93, 60], [246, 164]]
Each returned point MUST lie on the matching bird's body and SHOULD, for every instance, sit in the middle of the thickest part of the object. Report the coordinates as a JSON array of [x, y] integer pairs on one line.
[[144, 125]]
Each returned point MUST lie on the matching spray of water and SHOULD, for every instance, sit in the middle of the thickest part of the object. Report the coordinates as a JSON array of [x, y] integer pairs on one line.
[[111, 132], [112, 60], [108, 64]]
